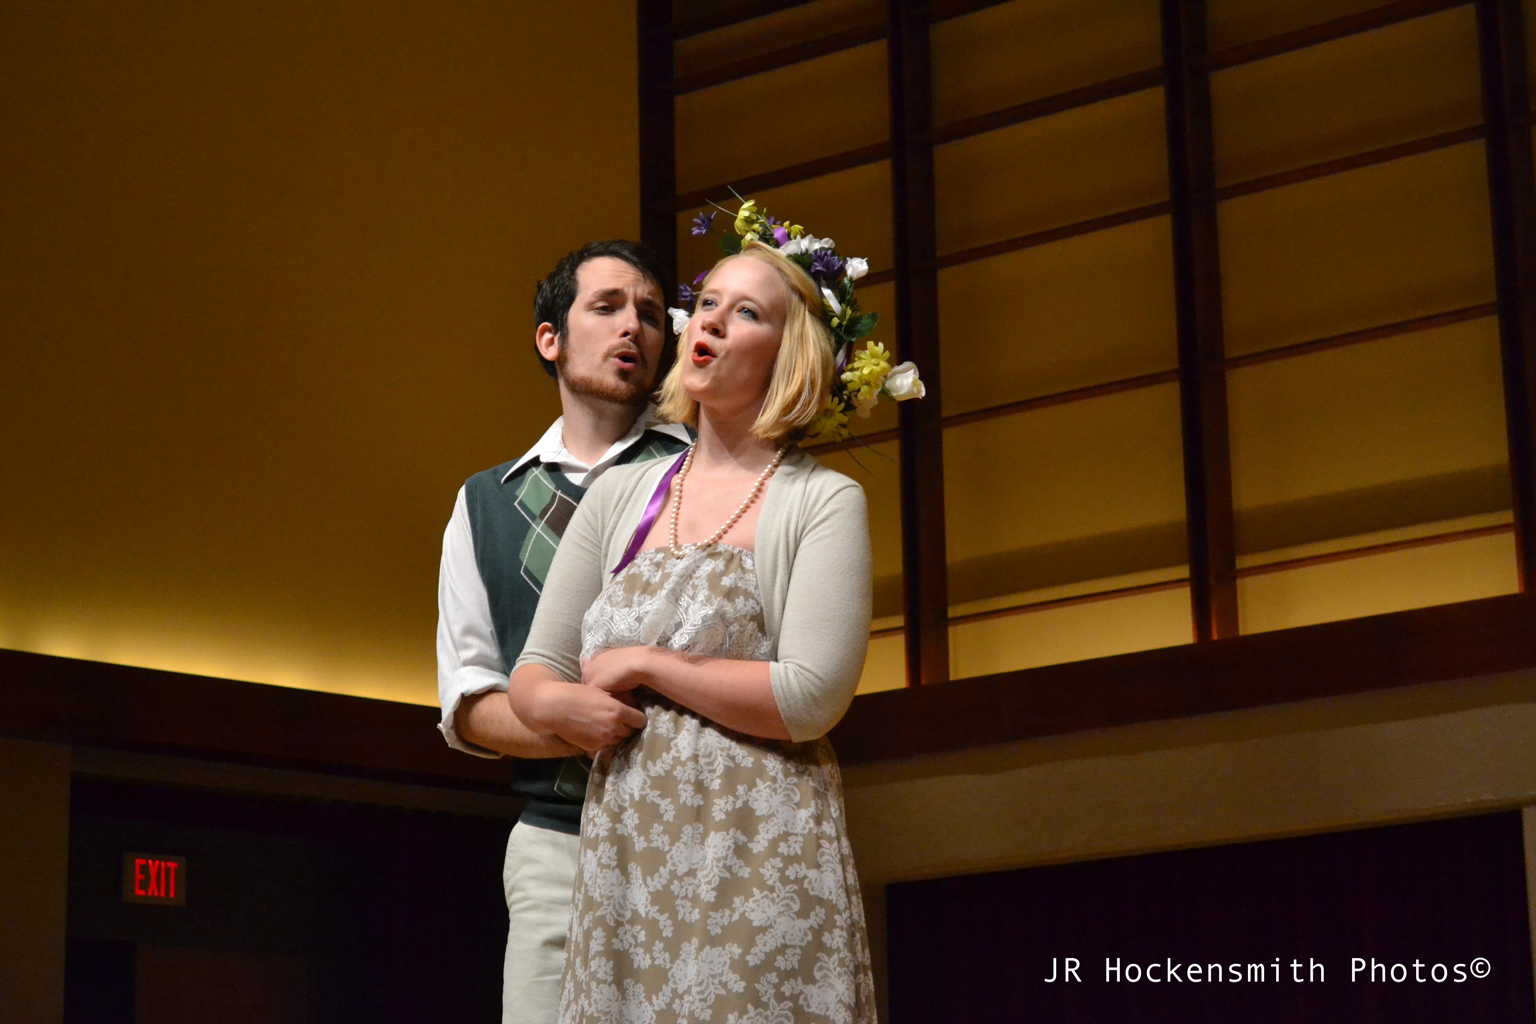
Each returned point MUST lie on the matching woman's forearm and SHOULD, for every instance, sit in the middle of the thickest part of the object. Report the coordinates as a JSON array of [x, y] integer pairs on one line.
[[732, 693]]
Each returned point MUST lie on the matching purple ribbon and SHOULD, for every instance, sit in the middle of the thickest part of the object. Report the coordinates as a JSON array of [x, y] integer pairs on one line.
[[652, 512]]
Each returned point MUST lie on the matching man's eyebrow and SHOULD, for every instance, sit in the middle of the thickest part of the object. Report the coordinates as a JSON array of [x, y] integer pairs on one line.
[[607, 295]]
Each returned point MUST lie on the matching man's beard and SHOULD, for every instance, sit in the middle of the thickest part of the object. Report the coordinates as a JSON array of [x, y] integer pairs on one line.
[[626, 390]]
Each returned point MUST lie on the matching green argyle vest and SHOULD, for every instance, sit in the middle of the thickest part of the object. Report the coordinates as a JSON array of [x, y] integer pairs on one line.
[[517, 521]]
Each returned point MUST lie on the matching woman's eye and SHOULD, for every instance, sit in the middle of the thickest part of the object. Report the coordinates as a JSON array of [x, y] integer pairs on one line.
[[707, 303], [750, 314]]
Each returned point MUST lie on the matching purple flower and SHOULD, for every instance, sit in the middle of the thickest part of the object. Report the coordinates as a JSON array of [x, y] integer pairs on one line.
[[684, 295], [703, 222], [700, 279], [825, 263], [781, 236]]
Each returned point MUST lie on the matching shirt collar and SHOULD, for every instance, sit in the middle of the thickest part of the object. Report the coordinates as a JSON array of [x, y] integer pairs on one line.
[[550, 448]]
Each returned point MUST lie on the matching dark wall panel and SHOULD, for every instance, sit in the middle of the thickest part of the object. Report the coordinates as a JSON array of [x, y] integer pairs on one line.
[[980, 948]]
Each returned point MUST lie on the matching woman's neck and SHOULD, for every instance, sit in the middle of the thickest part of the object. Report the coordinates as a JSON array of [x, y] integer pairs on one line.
[[728, 442]]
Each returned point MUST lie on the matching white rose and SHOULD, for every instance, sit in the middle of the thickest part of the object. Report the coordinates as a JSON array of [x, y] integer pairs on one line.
[[902, 383], [805, 244], [680, 318], [832, 303], [855, 268]]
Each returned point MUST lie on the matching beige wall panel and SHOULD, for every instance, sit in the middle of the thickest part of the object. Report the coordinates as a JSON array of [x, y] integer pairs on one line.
[[1038, 499], [1015, 52], [851, 207], [1084, 310], [799, 24], [1051, 636], [1371, 246], [885, 667], [34, 860], [876, 470], [269, 286], [1415, 407], [1241, 21], [1056, 170], [1348, 96], [782, 117], [1376, 584], [1313, 766]]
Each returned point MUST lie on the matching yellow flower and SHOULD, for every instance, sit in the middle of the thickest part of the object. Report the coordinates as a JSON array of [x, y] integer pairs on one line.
[[795, 230], [747, 217], [868, 368], [831, 424]]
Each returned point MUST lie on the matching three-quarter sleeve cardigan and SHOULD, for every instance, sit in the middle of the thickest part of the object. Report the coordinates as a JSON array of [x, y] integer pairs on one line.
[[813, 574]]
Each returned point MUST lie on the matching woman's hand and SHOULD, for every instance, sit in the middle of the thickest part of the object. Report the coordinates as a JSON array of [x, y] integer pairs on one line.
[[581, 715], [619, 670]]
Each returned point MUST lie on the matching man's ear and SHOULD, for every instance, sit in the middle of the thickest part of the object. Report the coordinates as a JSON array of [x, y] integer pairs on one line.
[[547, 341]]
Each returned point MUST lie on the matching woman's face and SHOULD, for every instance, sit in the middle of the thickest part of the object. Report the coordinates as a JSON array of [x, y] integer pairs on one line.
[[734, 337]]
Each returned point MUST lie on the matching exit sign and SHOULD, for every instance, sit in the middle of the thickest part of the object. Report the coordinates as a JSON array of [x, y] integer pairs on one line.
[[155, 878]]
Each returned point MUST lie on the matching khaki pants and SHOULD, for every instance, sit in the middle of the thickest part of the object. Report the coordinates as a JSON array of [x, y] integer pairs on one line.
[[538, 875]]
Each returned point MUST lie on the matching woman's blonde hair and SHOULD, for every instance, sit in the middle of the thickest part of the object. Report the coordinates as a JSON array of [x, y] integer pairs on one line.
[[802, 372]]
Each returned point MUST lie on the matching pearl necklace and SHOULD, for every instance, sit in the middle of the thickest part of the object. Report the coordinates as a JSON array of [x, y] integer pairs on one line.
[[741, 510]]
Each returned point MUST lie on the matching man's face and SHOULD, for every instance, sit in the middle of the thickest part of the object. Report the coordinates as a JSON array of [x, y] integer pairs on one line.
[[614, 333]]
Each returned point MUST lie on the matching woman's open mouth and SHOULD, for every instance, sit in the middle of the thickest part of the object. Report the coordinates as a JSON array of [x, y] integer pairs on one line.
[[702, 354]]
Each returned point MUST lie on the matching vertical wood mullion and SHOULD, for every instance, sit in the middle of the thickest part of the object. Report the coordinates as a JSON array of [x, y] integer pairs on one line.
[[1512, 204], [1197, 294], [658, 154], [925, 590]]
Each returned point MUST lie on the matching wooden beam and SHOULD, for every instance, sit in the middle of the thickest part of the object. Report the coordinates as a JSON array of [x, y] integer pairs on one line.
[[920, 424], [724, 15], [658, 154], [1425, 645], [1197, 300], [1512, 203], [1327, 32], [795, 53], [120, 707]]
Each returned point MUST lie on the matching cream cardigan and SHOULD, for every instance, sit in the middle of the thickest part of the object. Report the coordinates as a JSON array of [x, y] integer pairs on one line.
[[813, 575]]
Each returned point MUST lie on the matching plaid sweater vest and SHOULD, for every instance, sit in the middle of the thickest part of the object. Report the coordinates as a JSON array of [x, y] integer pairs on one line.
[[517, 524]]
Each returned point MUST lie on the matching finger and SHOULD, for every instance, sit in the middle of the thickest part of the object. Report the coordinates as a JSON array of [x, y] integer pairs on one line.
[[633, 717]]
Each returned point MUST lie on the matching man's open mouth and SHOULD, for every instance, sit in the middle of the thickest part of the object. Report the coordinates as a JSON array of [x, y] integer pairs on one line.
[[628, 358]]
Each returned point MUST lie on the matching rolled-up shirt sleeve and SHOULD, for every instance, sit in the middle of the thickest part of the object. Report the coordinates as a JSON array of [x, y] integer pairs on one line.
[[468, 656], [824, 633]]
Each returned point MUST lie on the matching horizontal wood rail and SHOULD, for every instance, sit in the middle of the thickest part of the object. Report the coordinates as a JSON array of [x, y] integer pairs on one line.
[[1424, 645], [120, 707], [117, 707], [724, 15], [1161, 377], [1328, 31], [1243, 572]]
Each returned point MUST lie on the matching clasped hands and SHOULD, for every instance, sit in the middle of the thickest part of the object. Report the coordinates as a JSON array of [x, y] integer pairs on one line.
[[595, 714]]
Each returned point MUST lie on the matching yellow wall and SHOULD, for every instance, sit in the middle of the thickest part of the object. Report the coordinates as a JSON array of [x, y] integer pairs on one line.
[[268, 273]]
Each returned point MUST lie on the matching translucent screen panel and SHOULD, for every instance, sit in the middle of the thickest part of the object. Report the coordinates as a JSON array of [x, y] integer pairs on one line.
[[1231, 22], [801, 23], [1056, 170], [1051, 636], [1375, 436], [1015, 52], [1351, 95], [852, 207], [1074, 492], [876, 470], [782, 117], [885, 666], [1355, 250], [1416, 577], [1081, 311]]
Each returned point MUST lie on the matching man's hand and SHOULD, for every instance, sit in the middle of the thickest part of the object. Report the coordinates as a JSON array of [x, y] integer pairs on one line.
[[583, 715], [618, 670]]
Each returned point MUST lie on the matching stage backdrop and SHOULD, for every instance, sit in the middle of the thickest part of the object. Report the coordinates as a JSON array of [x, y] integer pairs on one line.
[[267, 285]]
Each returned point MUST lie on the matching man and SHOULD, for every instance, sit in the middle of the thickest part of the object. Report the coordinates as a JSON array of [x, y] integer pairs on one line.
[[601, 333]]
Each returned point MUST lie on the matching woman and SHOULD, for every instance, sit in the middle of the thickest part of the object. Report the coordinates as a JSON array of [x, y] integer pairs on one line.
[[716, 881]]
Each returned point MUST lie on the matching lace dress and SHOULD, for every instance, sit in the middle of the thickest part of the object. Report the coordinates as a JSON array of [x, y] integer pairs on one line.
[[715, 881]]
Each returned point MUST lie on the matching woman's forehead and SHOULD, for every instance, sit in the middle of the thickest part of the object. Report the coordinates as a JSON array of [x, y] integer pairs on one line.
[[748, 277]]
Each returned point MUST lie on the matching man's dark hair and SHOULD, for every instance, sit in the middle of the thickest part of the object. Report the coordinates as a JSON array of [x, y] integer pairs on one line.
[[557, 293]]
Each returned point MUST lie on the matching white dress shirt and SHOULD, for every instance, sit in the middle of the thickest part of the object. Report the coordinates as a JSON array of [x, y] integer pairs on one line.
[[468, 656]]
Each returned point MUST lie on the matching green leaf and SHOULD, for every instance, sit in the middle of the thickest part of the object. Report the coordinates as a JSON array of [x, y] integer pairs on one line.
[[730, 243], [862, 325], [802, 261]]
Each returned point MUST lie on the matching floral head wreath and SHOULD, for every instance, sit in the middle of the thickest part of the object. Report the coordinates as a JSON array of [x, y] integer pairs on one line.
[[862, 376]]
